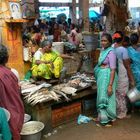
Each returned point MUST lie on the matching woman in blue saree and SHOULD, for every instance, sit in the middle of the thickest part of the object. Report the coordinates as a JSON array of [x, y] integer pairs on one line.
[[105, 74], [134, 54]]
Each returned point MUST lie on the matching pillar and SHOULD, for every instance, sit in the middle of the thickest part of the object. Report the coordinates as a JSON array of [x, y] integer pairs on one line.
[[10, 36], [73, 12], [84, 13]]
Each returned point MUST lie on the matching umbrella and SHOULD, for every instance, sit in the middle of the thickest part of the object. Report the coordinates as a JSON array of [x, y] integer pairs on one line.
[[94, 15]]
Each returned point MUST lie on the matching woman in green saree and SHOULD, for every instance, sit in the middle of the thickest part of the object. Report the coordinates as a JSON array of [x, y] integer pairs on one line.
[[105, 74], [134, 54]]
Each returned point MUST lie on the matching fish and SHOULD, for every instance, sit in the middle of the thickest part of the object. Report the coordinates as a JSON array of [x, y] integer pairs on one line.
[[63, 94], [33, 97], [38, 99], [54, 95], [69, 90], [36, 88]]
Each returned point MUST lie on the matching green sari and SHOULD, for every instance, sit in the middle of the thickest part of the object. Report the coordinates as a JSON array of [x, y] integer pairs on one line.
[[106, 105], [135, 65], [5, 133]]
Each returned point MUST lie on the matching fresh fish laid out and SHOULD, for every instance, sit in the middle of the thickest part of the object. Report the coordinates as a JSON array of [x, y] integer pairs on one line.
[[84, 77], [60, 86], [62, 94], [36, 88], [26, 85], [39, 97], [34, 94], [65, 88], [83, 84], [69, 90], [54, 95], [74, 83], [29, 98]]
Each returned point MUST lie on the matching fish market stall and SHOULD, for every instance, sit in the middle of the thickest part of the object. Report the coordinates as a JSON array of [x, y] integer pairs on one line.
[[40, 100]]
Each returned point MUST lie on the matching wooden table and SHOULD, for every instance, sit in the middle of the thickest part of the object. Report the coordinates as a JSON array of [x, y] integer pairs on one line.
[[43, 111]]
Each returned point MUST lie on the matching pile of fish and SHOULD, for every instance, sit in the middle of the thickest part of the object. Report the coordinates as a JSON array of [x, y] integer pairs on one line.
[[81, 80], [34, 94], [84, 77]]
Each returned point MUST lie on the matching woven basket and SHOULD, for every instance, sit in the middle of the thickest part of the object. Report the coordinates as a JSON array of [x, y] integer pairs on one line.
[[72, 65]]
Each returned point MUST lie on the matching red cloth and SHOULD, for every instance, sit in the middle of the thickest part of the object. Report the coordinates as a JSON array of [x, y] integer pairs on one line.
[[11, 100]]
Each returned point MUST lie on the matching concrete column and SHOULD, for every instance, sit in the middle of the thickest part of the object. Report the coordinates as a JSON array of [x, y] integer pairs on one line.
[[84, 13], [73, 12]]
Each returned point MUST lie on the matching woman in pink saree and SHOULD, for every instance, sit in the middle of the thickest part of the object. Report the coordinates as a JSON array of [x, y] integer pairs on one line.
[[10, 95], [125, 76]]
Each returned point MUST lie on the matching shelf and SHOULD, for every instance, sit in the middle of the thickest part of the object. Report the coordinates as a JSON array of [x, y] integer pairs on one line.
[[16, 20]]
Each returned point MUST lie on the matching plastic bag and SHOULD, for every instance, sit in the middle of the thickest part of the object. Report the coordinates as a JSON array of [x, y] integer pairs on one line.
[[83, 119], [36, 22]]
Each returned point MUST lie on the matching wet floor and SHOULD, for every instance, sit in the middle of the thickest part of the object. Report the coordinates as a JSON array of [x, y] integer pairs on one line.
[[126, 129]]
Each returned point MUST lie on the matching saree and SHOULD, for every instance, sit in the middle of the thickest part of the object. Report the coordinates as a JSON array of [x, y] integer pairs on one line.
[[48, 70], [121, 91], [35, 68], [135, 65], [106, 105], [11, 100], [4, 127]]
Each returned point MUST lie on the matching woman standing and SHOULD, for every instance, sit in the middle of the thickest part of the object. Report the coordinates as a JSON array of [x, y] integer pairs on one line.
[[10, 95], [134, 54], [125, 76], [106, 82]]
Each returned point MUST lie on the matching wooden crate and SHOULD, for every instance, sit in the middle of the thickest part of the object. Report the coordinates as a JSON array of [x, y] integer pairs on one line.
[[57, 117], [65, 113], [72, 111]]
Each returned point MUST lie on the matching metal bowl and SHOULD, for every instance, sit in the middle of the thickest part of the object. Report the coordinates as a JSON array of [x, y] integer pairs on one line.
[[133, 95], [27, 118], [32, 130]]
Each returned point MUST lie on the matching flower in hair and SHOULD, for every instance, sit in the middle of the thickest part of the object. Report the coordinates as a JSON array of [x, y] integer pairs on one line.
[[116, 35]]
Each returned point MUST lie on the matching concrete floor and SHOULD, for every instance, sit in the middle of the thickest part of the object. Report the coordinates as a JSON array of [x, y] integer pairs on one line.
[[127, 129]]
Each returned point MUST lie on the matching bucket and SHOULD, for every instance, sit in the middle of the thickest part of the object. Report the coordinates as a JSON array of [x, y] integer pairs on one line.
[[133, 95], [91, 41], [32, 130]]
